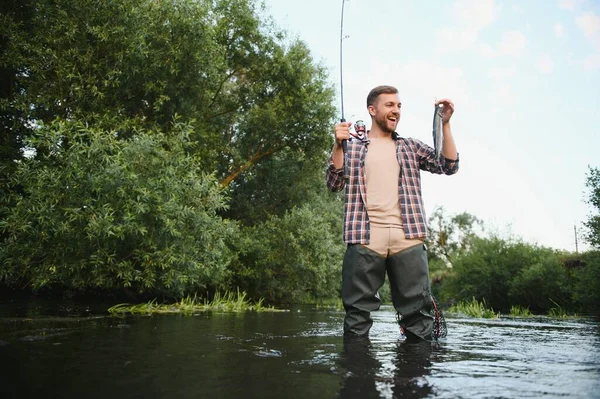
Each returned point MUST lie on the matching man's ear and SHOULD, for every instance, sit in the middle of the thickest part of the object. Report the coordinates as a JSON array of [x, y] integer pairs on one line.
[[371, 110]]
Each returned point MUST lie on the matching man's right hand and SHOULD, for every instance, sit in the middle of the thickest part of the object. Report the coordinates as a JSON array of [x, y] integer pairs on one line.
[[342, 132]]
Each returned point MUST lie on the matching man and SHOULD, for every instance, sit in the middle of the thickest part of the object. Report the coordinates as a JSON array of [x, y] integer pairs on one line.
[[384, 216]]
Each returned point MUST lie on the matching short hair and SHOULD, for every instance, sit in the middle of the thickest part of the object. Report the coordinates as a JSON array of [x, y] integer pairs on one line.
[[373, 94]]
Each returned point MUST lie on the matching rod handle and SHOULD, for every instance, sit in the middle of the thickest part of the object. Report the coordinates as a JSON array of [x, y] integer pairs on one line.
[[344, 142]]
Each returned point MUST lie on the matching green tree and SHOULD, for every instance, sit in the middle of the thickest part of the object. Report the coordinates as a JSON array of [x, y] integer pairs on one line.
[[542, 285], [488, 271], [587, 286], [220, 65], [593, 223], [450, 237], [295, 257], [105, 213], [257, 112]]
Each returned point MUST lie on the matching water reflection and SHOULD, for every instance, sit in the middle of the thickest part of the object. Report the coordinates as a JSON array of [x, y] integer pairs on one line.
[[369, 377], [358, 358], [413, 364]]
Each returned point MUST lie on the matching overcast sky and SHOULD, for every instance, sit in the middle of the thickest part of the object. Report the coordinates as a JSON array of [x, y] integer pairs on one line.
[[525, 78]]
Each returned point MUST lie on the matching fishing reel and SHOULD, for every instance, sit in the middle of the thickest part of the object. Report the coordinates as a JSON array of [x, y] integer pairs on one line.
[[360, 130]]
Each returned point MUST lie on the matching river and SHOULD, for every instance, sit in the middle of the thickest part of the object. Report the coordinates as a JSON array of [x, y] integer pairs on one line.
[[74, 352]]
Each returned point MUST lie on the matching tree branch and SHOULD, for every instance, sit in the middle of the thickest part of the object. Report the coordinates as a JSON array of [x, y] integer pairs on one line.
[[253, 160], [212, 102]]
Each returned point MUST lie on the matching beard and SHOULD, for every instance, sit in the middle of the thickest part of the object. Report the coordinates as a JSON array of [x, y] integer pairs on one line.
[[384, 124]]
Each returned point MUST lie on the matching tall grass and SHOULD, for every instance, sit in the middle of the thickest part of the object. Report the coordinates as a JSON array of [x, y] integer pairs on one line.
[[518, 311], [474, 308], [558, 311], [228, 302]]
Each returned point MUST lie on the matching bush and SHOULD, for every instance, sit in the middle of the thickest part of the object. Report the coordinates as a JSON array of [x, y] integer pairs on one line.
[[293, 258], [587, 283], [487, 271], [101, 212], [540, 286]]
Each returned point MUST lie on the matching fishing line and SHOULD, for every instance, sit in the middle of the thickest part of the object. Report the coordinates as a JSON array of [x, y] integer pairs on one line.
[[342, 37], [359, 126]]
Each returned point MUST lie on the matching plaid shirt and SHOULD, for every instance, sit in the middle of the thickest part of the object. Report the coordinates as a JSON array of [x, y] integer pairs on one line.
[[413, 155]]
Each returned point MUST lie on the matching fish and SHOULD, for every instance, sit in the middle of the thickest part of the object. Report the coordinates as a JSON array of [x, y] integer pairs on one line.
[[438, 134]]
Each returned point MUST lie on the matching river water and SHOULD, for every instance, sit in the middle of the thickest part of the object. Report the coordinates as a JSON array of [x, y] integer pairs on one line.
[[67, 353]]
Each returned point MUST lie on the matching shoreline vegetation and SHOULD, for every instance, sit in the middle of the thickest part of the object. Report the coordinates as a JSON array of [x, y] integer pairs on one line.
[[228, 302], [237, 302], [476, 309]]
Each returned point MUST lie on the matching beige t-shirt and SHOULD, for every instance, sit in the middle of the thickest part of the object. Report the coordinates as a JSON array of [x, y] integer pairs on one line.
[[381, 171]]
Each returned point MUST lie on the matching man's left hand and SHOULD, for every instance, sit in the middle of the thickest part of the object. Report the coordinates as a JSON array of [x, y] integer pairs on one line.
[[447, 109]]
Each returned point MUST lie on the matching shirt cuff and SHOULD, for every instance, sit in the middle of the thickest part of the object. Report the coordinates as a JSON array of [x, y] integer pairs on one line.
[[332, 168], [452, 160]]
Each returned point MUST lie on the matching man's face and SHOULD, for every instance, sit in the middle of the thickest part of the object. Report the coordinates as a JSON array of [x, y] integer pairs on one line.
[[386, 112]]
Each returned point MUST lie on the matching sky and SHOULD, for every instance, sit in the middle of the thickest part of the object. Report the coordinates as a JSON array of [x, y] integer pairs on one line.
[[525, 80]]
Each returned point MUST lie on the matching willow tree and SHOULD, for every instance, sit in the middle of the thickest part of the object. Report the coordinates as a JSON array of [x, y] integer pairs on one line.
[[78, 70], [249, 91]]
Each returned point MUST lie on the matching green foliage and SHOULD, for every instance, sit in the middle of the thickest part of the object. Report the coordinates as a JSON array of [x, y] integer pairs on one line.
[[220, 65], [587, 282], [512, 275], [558, 311], [293, 258], [519, 311], [489, 268], [111, 199], [228, 302], [593, 223], [277, 185], [450, 237], [474, 308], [538, 284], [101, 212]]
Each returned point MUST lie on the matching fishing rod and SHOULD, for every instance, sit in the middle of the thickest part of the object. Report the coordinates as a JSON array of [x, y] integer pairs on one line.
[[342, 37], [359, 126]]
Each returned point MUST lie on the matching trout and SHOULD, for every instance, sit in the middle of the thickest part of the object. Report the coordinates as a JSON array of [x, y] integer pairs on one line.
[[438, 134]]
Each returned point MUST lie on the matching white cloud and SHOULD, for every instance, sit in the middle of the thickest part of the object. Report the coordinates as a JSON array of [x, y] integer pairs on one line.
[[545, 64], [570, 4], [471, 17], [566, 4], [476, 14], [591, 62], [513, 43], [589, 23], [502, 96], [456, 40], [559, 30], [498, 73], [518, 9]]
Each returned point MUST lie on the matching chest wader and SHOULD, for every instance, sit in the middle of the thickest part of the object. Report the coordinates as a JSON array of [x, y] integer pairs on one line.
[[363, 274]]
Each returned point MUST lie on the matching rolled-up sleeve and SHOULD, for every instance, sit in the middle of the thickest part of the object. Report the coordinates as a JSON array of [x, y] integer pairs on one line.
[[334, 177], [449, 166], [429, 162]]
